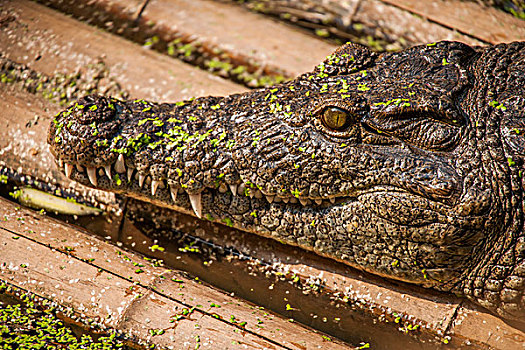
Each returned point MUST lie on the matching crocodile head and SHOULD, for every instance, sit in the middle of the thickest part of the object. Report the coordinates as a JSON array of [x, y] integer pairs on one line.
[[407, 164]]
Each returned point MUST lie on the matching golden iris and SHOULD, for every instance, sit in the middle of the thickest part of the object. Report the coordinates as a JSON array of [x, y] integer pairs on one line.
[[336, 118]]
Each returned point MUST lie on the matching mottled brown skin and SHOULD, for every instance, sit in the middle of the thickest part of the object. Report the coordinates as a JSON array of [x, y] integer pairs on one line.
[[408, 164]]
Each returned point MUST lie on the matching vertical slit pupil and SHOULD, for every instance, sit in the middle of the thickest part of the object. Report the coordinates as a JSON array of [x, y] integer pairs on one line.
[[336, 118]]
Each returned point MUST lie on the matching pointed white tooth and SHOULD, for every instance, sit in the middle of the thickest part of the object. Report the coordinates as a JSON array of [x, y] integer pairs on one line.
[[233, 188], [154, 185], [304, 201], [173, 191], [130, 174], [107, 170], [80, 168], [332, 200], [285, 199], [318, 201], [269, 198], [60, 163], [92, 174], [141, 180], [69, 170], [120, 167], [196, 204]]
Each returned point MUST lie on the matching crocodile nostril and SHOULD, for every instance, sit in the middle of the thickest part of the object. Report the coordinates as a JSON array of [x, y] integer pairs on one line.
[[94, 108]]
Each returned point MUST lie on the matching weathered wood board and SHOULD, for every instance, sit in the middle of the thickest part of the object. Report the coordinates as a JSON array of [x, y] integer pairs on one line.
[[60, 44], [406, 22], [484, 23], [220, 29]]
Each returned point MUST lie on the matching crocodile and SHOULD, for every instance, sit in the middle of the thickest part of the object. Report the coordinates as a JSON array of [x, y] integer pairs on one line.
[[408, 164]]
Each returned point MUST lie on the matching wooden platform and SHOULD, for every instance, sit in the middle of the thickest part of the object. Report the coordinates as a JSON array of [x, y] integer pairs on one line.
[[300, 286], [122, 290]]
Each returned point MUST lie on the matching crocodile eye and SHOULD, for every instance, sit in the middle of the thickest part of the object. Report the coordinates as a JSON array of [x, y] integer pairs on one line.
[[335, 118]]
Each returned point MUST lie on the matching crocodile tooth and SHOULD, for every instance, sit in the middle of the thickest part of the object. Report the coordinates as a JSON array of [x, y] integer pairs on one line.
[[318, 201], [285, 199], [130, 174], [258, 194], [269, 199], [293, 200], [107, 169], [154, 185], [141, 180], [120, 167], [173, 192], [80, 168], [92, 174], [69, 170], [304, 201], [60, 163], [196, 204], [277, 199], [332, 200], [233, 188]]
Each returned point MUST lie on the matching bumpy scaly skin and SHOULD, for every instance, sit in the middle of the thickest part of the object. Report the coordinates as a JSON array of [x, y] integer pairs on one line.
[[424, 185]]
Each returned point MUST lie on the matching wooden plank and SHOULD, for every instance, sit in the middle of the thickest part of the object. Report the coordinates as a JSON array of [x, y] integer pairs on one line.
[[24, 121], [404, 22], [217, 30], [128, 293], [396, 23], [219, 304], [374, 23], [59, 43], [231, 28], [58, 276], [487, 329], [193, 331], [490, 25]]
